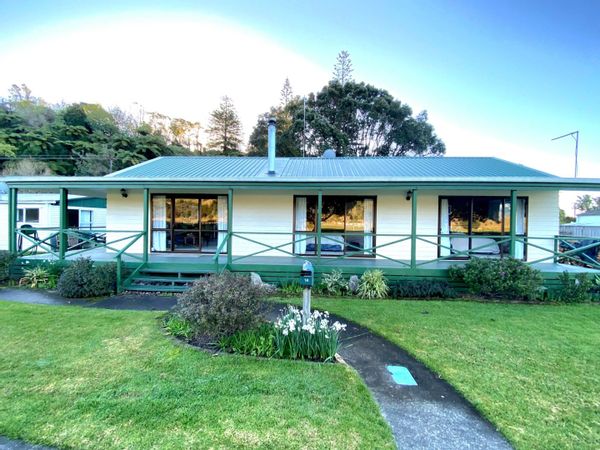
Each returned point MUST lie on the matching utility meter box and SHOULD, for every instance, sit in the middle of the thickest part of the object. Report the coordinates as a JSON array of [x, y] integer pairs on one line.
[[307, 275]]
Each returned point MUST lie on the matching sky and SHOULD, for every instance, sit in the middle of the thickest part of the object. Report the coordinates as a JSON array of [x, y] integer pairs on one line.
[[497, 78]]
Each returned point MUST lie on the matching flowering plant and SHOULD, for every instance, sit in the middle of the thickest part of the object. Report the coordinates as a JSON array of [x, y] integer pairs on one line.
[[314, 338]]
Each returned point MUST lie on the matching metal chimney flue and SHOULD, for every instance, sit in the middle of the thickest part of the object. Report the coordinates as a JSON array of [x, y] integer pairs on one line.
[[272, 144]]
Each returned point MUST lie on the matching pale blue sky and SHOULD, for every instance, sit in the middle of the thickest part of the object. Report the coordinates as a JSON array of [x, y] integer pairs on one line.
[[498, 78]]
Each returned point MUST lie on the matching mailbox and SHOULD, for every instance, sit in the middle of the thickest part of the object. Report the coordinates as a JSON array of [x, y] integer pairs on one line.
[[307, 275]]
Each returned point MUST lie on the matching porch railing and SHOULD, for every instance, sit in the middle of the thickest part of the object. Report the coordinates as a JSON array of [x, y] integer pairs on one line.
[[46, 241], [430, 248], [582, 251]]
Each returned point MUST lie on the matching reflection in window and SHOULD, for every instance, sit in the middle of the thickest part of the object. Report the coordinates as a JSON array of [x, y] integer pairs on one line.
[[188, 224], [347, 224], [469, 226]]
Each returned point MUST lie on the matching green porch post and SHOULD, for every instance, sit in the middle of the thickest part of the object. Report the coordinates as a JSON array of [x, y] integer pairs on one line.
[[63, 237], [229, 228], [319, 215], [12, 220], [513, 222], [146, 208], [413, 230]]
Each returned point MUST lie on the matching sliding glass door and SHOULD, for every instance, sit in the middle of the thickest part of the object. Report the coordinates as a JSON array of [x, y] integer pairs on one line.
[[183, 223], [479, 225], [347, 225]]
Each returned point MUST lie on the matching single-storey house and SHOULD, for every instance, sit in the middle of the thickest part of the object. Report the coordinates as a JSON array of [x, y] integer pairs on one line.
[[172, 218]]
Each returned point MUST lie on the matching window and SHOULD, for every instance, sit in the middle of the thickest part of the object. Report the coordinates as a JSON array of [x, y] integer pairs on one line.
[[86, 219], [478, 225], [28, 215], [188, 223], [347, 225]]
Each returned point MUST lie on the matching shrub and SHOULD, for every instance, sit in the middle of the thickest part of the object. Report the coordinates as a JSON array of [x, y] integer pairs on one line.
[[177, 327], [82, 279], [255, 342], [291, 288], [222, 304], [36, 277], [6, 259], [573, 290], [334, 283], [317, 340], [499, 278], [373, 285], [423, 289]]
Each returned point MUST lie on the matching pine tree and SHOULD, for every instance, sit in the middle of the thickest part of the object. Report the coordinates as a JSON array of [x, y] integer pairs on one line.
[[342, 70], [225, 128], [286, 93]]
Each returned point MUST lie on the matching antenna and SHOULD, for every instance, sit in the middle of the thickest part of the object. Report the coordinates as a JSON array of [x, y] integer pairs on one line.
[[574, 135], [304, 130]]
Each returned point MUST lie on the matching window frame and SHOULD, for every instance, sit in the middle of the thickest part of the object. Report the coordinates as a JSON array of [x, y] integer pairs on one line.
[[172, 229], [470, 233], [344, 233], [23, 213]]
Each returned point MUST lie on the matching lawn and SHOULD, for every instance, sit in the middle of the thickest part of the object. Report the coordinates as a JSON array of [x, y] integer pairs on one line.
[[534, 371], [85, 378]]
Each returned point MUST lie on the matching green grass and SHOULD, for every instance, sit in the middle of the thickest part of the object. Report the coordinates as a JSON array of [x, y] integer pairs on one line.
[[534, 371], [83, 378]]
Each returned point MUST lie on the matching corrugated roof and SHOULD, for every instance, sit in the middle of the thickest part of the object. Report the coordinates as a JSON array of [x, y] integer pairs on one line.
[[212, 168]]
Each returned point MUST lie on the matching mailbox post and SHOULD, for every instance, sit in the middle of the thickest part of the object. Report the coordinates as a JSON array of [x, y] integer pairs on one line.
[[307, 281]]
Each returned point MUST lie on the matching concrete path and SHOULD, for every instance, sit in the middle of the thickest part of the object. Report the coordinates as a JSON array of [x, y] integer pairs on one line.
[[431, 415]]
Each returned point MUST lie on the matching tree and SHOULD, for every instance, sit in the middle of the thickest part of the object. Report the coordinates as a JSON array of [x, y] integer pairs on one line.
[[563, 218], [587, 203], [287, 94], [287, 144], [342, 70], [225, 129], [357, 119], [79, 138]]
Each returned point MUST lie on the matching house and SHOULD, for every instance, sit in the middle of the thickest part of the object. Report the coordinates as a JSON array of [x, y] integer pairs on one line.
[[587, 224], [172, 218], [41, 211]]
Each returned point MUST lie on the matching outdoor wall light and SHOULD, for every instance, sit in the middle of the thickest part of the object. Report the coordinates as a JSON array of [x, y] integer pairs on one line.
[[124, 193], [409, 195]]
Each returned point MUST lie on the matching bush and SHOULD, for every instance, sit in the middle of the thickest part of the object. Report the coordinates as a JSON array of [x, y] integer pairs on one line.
[[177, 327], [36, 277], [499, 278], [82, 279], [255, 342], [334, 283], [222, 304], [6, 259], [573, 290], [423, 289], [373, 285], [291, 288], [317, 340]]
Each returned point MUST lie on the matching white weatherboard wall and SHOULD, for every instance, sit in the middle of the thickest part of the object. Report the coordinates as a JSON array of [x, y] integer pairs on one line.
[[265, 212], [273, 213], [126, 215]]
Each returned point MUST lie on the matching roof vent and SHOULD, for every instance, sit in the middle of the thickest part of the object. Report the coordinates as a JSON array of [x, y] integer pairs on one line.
[[329, 154]]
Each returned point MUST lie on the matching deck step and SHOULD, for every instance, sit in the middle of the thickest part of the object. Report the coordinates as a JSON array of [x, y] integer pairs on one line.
[[147, 288], [158, 279]]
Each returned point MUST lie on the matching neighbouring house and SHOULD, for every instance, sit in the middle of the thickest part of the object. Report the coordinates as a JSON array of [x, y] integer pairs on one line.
[[586, 225], [171, 219], [39, 212]]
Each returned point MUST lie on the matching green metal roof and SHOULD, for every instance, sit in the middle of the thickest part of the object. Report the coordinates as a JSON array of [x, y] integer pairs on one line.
[[321, 169], [218, 172]]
